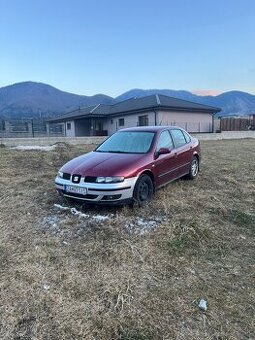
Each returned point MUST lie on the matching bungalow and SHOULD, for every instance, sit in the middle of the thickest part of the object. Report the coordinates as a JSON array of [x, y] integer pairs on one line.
[[103, 120]]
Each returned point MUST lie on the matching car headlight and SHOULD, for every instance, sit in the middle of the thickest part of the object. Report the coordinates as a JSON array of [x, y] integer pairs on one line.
[[109, 179], [60, 174]]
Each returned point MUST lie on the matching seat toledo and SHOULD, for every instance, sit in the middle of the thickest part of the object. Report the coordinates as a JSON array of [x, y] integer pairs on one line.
[[129, 165]]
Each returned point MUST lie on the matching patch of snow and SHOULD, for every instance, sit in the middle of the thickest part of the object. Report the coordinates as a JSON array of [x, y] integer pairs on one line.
[[51, 222], [144, 223], [34, 147], [100, 218], [141, 226], [61, 207], [74, 211]]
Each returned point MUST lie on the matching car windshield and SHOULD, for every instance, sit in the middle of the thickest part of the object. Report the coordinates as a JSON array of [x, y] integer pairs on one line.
[[128, 142]]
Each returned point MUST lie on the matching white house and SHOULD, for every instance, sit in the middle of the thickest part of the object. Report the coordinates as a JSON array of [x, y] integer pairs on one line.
[[103, 120]]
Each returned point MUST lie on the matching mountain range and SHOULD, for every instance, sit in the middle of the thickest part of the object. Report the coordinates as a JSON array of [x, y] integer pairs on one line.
[[38, 100]]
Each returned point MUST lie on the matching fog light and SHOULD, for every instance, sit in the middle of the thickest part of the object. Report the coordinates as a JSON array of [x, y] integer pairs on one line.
[[111, 197]]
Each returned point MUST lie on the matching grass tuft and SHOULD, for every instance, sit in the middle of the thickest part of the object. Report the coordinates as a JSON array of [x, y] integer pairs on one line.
[[188, 236]]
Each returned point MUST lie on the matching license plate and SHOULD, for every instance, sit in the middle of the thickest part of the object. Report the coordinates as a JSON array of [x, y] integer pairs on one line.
[[75, 190]]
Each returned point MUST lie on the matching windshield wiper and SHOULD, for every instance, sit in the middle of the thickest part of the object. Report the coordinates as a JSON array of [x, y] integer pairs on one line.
[[117, 151], [110, 151]]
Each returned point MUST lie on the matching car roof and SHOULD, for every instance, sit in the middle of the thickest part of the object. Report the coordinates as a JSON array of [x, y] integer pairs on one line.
[[151, 128]]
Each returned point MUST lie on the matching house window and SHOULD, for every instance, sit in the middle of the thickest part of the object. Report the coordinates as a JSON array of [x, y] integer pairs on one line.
[[143, 120], [121, 122], [68, 126], [111, 121]]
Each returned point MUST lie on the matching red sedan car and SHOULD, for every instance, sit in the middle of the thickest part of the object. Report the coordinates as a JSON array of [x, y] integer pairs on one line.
[[130, 165]]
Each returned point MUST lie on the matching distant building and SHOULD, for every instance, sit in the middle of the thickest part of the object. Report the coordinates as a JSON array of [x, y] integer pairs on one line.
[[103, 120]]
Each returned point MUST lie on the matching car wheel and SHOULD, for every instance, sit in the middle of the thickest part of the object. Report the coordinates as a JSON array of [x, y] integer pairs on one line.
[[194, 168], [144, 190]]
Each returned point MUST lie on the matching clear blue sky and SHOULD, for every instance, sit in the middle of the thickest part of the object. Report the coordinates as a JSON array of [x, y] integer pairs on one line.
[[111, 46]]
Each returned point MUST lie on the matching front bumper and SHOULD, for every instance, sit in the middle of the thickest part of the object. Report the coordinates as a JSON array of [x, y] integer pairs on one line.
[[110, 193]]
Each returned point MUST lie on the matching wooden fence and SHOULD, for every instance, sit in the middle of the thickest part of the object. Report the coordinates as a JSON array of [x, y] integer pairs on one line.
[[29, 128], [237, 124]]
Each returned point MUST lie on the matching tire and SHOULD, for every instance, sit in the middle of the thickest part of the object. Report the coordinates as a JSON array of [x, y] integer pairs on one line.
[[144, 190], [194, 168]]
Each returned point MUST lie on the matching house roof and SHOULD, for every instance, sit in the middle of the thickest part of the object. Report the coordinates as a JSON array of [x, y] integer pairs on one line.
[[158, 101], [134, 105]]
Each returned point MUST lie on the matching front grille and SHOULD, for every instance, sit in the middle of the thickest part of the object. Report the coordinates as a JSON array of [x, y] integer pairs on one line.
[[90, 179], [66, 176]]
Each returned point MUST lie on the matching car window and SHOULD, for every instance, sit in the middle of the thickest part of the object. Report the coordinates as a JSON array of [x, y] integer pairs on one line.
[[128, 142], [165, 141], [178, 137], [187, 136]]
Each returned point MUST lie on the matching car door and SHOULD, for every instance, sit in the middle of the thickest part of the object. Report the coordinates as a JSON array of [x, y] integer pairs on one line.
[[164, 165], [182, 151]]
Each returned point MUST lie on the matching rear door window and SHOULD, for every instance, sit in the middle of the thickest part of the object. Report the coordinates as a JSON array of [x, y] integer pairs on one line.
[[178, 137]]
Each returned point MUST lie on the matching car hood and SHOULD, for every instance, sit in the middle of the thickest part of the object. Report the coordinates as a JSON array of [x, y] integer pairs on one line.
[[105, 164]]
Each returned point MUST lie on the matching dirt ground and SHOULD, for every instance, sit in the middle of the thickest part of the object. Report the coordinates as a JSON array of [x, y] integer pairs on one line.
[[76, 272]]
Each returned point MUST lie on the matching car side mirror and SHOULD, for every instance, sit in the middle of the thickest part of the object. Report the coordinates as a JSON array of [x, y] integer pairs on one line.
[[163, 151]]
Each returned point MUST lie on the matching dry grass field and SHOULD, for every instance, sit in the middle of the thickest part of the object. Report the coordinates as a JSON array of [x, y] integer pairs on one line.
[[121, 273]]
